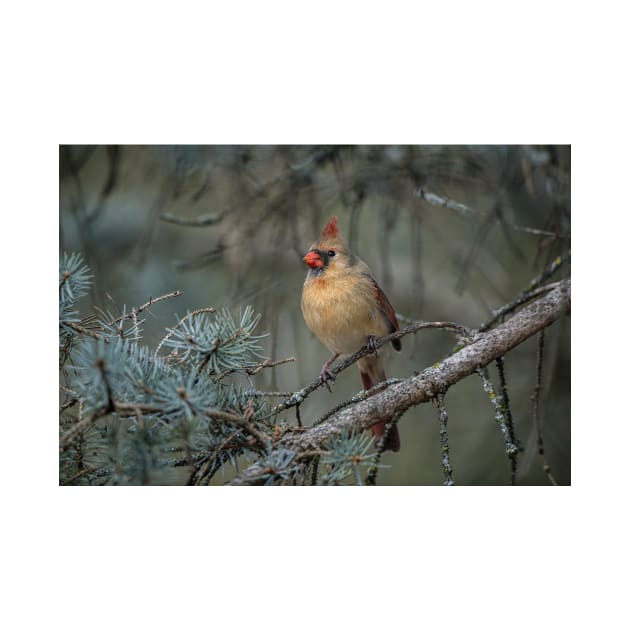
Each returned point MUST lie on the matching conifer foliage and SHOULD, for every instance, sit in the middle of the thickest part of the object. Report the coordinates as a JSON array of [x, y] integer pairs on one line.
[[131, 415]]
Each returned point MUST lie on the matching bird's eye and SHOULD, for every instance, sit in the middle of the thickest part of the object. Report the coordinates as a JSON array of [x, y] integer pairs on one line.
[[331, 253]]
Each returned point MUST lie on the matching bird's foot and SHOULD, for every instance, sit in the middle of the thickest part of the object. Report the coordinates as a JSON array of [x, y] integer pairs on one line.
[[371, 344], [326, 375]]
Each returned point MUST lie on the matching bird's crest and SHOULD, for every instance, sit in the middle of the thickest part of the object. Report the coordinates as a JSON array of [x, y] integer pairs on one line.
[[331, 230]]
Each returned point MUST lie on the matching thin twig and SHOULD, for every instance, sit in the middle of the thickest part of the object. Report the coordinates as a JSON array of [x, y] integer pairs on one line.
[[297, 416], [263, 440], [66, 275], [203, 467], [538, 232], [508, 416], [437, 200], [314, 470], [536, 399], [254, 369], [133, 314], [100, 364], [499, 411], [266, 364], [67, 438], [81, 473], [260, 394], [468, 212], [445, 459], [199, 221], [534, 290], [81, 329], [370, 479], [67, 404]]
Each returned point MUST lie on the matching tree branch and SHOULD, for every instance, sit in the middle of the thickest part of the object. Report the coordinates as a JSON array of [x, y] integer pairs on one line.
[[298, 397], [484, 349]]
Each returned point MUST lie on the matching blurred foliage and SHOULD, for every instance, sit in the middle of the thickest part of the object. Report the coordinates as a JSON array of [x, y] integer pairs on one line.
[[451, 232]]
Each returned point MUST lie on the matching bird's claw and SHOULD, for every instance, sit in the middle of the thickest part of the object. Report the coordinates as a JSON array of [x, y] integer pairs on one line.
[[326, 375], [371, 344]]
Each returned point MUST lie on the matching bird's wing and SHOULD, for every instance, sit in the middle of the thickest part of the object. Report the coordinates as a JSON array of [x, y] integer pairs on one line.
[[387, 310]]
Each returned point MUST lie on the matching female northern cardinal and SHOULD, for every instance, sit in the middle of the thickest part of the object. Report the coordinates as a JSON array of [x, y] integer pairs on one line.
[[346, 309]]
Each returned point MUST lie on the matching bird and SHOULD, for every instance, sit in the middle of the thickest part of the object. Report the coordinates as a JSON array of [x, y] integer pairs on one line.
[[346, 309]]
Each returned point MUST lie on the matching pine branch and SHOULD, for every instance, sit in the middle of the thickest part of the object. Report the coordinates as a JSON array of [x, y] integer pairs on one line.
[[138, 309], [484, 349], [199, 311], [81, 329]]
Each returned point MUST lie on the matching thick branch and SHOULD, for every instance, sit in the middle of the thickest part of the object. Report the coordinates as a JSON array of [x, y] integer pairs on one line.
[[298, 397], [486, 347]]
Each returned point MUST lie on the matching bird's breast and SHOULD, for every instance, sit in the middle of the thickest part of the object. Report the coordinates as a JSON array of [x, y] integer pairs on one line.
[[341, 312]]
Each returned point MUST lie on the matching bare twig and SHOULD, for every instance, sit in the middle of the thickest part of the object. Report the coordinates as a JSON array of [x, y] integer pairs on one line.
[[538, 232], [204, 467], [499, 412], [445, 458], [536, 399], [100, 364], [133, 314], [266, 364], [81, 473], [314, 470], [66, 275], [260, 394], [67, 438], [254, 369], [199, 221], [297, 416], [67, 404], [263, 440], [468, 212], [528, 294], [445, 202], [81, 329], [370, 480], [508, 417]]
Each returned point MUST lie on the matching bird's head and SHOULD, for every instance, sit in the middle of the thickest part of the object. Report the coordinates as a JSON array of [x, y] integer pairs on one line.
[[329, 252]]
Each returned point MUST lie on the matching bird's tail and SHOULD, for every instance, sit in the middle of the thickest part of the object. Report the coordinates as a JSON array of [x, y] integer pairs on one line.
[[372, 372]]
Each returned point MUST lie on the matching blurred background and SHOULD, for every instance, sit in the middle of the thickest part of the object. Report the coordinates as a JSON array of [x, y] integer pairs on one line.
[[450, 233]]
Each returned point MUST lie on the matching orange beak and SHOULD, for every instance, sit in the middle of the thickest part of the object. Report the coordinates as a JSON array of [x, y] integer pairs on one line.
[[313, 260]]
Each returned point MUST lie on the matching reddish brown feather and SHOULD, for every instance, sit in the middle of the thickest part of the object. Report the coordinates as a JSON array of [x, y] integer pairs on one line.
[[388, 310], [386, 306], [331, 230]]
